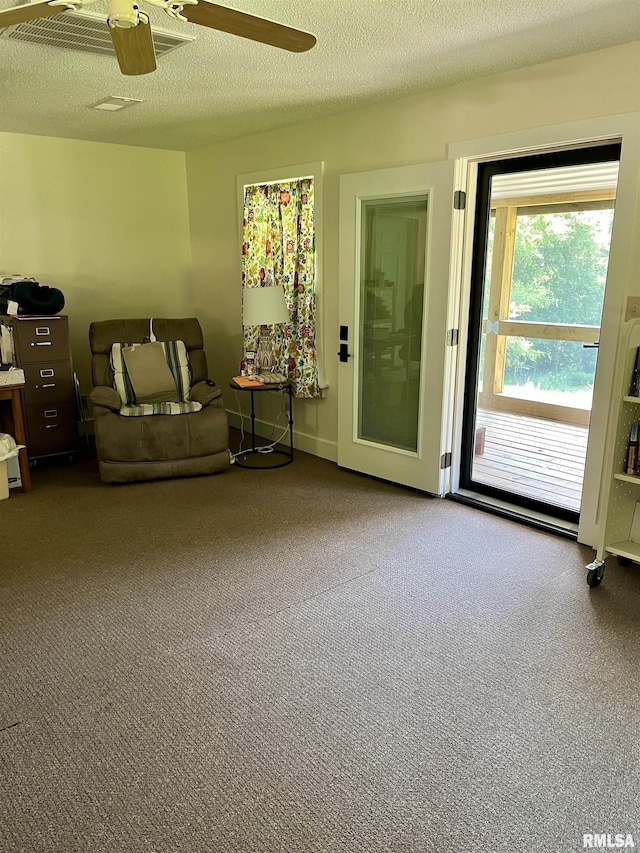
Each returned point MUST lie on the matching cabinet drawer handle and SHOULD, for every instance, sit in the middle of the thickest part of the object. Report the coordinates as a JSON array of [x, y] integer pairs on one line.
[[41, 344], [48, 385], [47, 372], [51, 413], [43, 330], [51, 426]]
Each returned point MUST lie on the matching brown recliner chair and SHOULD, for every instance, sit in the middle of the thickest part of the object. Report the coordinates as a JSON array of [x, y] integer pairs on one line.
[[155, 446]]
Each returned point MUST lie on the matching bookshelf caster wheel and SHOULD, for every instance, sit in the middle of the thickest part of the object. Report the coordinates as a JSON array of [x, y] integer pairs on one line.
[[624, 561], [594, 576]]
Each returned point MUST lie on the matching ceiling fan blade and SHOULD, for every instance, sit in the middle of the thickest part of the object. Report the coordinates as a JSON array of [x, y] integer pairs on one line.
[[134, 49], [28, 12], [248, 26]]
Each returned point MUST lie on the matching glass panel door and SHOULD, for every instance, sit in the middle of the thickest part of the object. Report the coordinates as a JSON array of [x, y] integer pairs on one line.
[[393, 236], [396, 230]]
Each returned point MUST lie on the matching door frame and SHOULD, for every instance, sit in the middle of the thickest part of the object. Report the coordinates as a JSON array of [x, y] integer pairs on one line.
[[501, 166], [621, 282]]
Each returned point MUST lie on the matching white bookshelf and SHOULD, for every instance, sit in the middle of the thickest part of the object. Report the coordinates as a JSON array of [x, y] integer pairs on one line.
[[620, 527]]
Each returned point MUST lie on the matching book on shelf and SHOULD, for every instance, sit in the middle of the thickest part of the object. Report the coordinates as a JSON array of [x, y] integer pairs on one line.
[[635, 380], [632, 451]]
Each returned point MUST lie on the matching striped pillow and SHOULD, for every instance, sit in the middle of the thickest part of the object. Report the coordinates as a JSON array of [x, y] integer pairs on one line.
[[160, 409], [177, 358]]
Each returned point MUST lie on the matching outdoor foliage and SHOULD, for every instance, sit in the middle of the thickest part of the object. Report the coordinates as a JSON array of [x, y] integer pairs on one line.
[[559, 276]]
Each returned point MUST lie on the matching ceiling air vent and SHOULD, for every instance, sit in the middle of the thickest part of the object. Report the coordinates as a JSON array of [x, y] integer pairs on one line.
[[84, 31]]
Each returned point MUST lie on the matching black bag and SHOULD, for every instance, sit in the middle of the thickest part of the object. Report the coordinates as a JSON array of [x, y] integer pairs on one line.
[[32, 298], [6, 291]]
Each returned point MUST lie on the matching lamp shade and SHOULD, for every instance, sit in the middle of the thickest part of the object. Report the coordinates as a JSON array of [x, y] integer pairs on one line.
[[264, 306]]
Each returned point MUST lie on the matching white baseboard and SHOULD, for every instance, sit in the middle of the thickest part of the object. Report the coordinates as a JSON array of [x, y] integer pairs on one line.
[[301, 441]]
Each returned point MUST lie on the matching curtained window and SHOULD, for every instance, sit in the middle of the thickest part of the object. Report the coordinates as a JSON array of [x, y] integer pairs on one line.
[[279, 248]]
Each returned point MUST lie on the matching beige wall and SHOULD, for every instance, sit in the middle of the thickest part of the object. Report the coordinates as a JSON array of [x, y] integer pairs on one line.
[[406, 131], [107, 224], [111, 225]]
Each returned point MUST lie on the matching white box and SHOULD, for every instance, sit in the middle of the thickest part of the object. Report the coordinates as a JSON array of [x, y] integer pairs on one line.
[[15, 376]]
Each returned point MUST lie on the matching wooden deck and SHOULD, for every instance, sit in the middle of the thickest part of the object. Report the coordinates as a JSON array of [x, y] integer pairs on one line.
[[534, 457]]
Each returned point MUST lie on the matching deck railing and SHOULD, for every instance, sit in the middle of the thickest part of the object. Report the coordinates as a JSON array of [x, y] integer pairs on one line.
[[492, 395]]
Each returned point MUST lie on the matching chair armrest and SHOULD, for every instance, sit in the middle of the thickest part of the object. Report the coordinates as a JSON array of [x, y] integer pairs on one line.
[[204, 393], [106, 397]]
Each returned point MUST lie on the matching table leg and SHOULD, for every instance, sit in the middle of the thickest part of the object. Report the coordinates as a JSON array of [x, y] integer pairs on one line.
[[253, 422]]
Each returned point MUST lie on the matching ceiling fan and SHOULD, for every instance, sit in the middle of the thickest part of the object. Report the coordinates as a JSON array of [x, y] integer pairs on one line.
[[131, 31]]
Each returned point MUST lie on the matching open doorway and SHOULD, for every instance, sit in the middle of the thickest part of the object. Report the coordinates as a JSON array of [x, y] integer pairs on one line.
[[541, 246]]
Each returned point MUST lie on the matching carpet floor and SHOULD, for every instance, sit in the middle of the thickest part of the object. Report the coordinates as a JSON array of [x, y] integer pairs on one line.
[[304, 660]]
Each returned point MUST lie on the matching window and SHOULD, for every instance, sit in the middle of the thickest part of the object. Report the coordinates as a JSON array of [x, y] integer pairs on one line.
[[280, 246]]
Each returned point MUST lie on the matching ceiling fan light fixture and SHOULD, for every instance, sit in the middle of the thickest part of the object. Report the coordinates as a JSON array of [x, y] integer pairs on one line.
[[125, 14]]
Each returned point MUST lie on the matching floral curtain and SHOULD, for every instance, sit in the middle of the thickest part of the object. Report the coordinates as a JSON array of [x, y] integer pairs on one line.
[[278, 247]]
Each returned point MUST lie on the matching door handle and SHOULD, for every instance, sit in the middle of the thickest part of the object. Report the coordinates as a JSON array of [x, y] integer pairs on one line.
[[594, 345], [343, 355]]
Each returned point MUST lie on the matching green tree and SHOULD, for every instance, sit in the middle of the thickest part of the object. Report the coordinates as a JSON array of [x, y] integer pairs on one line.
[[559, 276]]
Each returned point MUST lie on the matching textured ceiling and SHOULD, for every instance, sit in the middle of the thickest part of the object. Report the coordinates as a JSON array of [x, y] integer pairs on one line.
[[221, 87]]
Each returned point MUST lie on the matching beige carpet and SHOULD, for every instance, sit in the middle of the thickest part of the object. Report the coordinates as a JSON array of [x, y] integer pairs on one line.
[[305, 660]]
